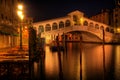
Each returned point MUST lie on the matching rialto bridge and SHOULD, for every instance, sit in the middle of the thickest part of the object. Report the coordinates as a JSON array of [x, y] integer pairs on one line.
[[72, 27]]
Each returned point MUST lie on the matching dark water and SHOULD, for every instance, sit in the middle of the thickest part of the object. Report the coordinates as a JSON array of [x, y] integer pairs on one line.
[[98, 62], [79, 61]]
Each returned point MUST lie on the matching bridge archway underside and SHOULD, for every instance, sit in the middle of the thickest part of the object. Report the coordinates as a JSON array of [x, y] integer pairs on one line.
[[88, 33]]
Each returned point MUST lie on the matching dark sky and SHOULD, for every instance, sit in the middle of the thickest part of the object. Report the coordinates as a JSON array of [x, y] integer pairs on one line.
[[47, 9]]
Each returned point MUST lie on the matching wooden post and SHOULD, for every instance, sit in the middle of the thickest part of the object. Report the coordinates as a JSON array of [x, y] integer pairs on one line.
[[64, 42], [59, 59], [103, 36], [104, 68], [80, 56], [32, 50]]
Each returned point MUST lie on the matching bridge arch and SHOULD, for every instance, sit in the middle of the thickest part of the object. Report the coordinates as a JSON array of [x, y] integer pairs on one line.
[[47, 27], [96, 26], [107, 29], [67, 23], [61, 24], [91, 24], [85, 23], [102, 27], [54, 26], [40, 28]]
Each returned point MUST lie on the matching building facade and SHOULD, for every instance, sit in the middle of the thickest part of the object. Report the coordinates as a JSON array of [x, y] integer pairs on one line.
[[102, 17], [8, 23], [110, 17]]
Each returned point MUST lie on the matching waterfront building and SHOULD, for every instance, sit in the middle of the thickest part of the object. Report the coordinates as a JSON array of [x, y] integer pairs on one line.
[[110, 17], [10, 24]]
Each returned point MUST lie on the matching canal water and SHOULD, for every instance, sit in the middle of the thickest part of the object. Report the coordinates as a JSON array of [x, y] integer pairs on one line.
[[80, 62]]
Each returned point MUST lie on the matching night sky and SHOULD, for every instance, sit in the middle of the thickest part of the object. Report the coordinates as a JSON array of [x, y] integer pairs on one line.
[[47, 9]]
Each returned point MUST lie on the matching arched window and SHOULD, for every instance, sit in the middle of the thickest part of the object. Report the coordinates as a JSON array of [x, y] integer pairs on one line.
[[85, 23], [54, 26], [107, 29], [75, 19], [91, 24], [96, 26], [40, 29], [61, 24], [47, 27], [67, 23], [102, 27]]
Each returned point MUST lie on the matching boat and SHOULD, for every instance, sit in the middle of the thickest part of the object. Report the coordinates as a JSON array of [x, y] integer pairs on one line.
[[54, 47]]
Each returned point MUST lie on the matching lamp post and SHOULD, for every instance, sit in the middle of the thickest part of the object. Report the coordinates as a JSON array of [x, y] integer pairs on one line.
[[21, 16]]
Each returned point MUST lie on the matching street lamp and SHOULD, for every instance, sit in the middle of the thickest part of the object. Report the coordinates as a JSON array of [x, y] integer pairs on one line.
[[21, 16]]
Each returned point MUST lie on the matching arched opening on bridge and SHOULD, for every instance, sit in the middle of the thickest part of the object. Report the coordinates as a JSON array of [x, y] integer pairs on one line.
[[47, 27], [96, 26], [112, 30], [102, 27], [107, 29], [61, 24], [40, 29], [85, 23], [91, 24], [76, 20], [67, 23], [54, 26]]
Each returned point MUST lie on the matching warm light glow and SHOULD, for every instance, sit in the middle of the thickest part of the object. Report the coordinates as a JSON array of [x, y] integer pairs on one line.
[[20, 7], [21, 17], [118, 30], [81, 20], [19, 13], [25, 27]]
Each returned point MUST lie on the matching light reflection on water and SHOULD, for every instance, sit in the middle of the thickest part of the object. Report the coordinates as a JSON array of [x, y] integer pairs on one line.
[[92, 62], [51, 63], [117, 63]]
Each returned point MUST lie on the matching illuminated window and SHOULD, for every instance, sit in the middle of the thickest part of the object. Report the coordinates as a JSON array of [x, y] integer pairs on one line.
[[47, 27], [54, 26], [61, 24], [85, 23], [67, 23]]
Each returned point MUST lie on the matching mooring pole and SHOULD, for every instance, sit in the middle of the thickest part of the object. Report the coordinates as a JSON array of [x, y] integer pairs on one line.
[[59, 59], [80, 57], [104, 69]]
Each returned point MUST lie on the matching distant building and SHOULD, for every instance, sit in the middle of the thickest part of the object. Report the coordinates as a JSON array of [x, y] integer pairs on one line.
[[110, 17], [102, 17], [116, 18]]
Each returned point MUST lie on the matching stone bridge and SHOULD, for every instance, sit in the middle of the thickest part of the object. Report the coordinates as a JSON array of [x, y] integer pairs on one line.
[[73, 26]]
